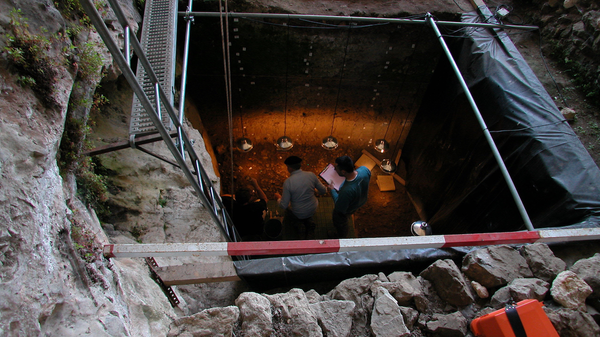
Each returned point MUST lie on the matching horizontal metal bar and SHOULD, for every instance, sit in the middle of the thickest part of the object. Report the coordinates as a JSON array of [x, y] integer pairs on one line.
[[354, 19]]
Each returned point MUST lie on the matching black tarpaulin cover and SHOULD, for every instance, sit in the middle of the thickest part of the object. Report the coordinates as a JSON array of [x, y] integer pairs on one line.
[[452, 175], [451, 172]]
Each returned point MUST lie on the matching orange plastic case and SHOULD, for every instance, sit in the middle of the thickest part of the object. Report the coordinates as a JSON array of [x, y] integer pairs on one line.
[[533, 318]]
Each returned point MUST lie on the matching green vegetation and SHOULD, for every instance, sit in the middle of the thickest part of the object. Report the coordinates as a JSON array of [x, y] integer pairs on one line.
[[26, 53], [90, 62], [137, 231], [583, 77], [83, 241], [162, 202]]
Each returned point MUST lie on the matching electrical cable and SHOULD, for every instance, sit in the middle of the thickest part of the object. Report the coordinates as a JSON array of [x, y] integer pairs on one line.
[[549, 73], [341, 76], [462, 9], [227, 75]]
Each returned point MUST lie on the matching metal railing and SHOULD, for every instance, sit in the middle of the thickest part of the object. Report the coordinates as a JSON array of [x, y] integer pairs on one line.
[[197, 175]]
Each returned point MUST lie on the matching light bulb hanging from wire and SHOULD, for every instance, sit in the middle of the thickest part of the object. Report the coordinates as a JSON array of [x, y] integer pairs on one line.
[[243, 144], [330, 142], [389, 165], [285, 143]]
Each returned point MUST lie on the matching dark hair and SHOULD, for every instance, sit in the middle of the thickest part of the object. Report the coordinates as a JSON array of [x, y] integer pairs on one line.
[[293, 162], [243, 195], [345, 163]]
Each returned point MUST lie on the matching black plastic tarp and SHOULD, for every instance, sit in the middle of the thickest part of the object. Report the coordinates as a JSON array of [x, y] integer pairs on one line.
[[451, 172], [276, 272]]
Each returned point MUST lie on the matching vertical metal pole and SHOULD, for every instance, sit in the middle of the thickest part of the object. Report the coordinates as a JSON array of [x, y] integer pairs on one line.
[[157, 100], [186, 51], [126, 45], [486, 132]]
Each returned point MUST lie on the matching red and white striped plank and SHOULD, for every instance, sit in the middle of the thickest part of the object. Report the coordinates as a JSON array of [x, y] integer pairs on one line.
[[347, 245]]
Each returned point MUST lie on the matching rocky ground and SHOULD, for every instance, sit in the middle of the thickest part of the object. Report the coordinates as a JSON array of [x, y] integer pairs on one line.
[[442, 300]]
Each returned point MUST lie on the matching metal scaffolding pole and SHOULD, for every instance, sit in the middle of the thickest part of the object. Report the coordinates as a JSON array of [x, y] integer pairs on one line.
[[355, 19], [486, 132]]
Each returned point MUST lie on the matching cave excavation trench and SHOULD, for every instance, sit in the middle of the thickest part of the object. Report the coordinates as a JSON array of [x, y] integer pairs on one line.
[[301, 247]]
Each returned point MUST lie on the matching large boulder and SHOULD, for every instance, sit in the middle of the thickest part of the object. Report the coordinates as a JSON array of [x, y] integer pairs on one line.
[[209, 322], [293, 315], [573, 323], [520, 289], [449, 282], [589, 271], [570, 290], [495, 266], [405, 286], [450, 325], [387, 319], [357, 290], [542, 262], [255, 311], [334, 317]]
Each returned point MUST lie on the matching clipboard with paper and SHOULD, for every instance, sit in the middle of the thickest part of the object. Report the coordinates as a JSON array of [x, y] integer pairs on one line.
[[331, 177]]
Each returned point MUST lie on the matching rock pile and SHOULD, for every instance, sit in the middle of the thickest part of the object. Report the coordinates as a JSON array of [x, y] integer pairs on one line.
[[441, 301]]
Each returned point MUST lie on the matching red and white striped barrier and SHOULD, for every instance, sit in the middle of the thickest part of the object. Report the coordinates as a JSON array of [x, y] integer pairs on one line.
[[347, 245]]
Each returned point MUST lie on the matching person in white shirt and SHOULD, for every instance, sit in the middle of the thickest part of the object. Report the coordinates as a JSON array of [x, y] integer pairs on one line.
[[299, 199]]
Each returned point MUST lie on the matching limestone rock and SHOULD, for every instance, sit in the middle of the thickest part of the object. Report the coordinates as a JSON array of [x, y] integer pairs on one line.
[[387, 319], [589, 271], [528, 288], [255, 311], [451, 325], [570, 290], [406, 287], [568, 114], [495, 266], [334, 317], [428, 301], [449, 282], [500, 298], [480, 290], [313, 296], [209, 322], [573, 323], [358, 291], [410, 316], [293, 315], [542, 262], [520, 289]]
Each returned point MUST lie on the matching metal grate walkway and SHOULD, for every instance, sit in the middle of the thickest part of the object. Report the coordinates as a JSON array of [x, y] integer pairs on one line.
[[158, 41]]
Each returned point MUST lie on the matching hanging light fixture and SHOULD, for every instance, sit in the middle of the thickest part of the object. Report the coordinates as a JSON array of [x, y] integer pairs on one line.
[[388, 166], [330, 142], [382, 145], [243, 144], [285, 143]]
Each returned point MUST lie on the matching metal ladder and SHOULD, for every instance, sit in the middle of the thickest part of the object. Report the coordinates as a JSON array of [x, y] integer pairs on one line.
[[158, 41], [153, 88]]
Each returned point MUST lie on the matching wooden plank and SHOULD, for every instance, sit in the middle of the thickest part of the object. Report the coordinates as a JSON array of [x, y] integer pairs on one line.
[[198, 273]]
